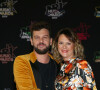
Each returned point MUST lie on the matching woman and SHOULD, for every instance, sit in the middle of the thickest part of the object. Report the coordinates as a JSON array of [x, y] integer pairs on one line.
[[75, 72]]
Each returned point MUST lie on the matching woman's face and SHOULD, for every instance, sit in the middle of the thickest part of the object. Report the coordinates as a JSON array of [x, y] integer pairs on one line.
[[65, 47]]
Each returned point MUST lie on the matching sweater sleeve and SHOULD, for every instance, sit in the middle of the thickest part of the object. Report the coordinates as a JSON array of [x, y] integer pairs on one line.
[[23, 75]]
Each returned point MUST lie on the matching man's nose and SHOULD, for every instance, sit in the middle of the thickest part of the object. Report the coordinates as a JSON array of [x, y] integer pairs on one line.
[[41, 39]]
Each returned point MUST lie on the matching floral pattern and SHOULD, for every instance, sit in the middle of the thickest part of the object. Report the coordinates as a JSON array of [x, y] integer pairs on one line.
[[76, 74]]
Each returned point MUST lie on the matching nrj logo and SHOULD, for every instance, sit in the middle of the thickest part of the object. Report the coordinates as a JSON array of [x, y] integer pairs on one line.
[[7, 8], [25, 33], [7, 53], [82, 31], [55, 10]]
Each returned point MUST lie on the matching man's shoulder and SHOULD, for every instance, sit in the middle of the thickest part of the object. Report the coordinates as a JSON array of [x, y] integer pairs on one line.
[[51, 56], [25, 56]]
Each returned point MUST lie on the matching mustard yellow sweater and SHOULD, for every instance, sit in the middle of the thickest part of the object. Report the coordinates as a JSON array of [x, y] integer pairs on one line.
[[23, 74]]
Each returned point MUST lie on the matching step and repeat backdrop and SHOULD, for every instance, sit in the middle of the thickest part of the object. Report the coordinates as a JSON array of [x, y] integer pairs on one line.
[[17, 15]]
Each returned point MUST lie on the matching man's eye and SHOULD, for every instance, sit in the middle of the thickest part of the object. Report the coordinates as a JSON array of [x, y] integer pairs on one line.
[[36, 37], [45, 37]]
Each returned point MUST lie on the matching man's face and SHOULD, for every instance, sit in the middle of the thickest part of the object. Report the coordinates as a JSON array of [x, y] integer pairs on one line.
[[41, 41]]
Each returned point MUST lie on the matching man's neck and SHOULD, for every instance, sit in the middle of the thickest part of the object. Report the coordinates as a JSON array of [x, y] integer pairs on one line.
[[42, 58]]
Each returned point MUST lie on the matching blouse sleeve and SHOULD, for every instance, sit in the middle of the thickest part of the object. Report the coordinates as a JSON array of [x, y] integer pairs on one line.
[[22, 75], [87, 75]]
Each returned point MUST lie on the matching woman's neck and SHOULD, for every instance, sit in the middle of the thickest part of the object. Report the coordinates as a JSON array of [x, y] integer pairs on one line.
[[68, 58]]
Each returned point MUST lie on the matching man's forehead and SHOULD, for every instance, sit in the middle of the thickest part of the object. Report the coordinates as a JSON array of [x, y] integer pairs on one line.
[[41, 32]]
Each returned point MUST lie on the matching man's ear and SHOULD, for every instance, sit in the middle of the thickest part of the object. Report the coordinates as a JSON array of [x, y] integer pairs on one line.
[[50, 41], [31, 40]]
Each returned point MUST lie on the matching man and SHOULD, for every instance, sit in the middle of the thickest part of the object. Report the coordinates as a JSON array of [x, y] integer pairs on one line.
[[37, 70]]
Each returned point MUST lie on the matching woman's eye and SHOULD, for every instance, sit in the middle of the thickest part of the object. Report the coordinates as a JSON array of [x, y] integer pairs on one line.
[[60, 42], [68, 43]]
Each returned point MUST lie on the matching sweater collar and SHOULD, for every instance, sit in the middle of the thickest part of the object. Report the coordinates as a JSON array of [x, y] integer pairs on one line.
[[33, 57]]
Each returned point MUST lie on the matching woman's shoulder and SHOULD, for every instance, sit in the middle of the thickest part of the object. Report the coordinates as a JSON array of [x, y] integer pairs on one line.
[[82, 63]]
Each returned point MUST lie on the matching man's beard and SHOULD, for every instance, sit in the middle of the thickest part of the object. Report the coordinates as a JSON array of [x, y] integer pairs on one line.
[[44, 51]]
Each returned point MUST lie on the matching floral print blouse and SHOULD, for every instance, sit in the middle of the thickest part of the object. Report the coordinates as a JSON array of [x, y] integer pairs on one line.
[[76, 74]]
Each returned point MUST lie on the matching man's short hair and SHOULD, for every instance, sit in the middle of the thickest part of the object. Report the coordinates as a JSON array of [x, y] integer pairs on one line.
[[36, 26]]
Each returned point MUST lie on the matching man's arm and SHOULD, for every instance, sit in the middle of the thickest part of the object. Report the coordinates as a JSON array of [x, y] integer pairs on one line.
[[23, 75]]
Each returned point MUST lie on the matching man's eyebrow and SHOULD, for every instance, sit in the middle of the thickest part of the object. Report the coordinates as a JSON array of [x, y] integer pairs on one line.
[[46, 35], [38, 36], [35, 35]]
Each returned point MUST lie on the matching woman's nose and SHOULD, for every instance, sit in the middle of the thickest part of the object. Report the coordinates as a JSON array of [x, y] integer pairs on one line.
[[64, 46]]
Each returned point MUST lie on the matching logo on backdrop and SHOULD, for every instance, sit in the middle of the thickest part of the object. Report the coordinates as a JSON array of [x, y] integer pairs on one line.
[[55, 10], [82, 31], [7, 8], [7, 53], [97, 12], [25, 33], [97, 56]]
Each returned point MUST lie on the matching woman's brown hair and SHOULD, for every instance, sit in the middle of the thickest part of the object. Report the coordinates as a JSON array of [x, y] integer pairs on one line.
[[72, 36]]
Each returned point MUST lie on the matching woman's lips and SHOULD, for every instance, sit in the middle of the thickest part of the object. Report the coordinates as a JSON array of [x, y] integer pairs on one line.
[[64, 51]]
